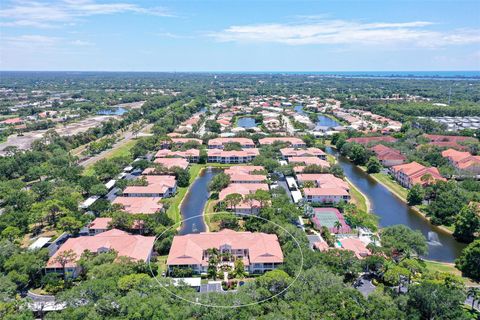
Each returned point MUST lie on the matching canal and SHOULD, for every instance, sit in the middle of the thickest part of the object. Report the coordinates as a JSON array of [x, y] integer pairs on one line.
[[391, 210], [195, 201]]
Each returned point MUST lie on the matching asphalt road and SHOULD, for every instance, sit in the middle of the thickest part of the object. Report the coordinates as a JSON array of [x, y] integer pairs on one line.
[[127, 136]]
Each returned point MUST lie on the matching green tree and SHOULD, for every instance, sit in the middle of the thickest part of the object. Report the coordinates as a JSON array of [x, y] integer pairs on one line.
[[469, 261], [273, 282], [444, 208], [70, 224], [233, 200], [139, 282], [11, 233], [183, 176], [337, 171], [373, 165], [435, 301], [415, 195], [402, 240], [238, 268], [263, 197], [467, 223], [219, 182]]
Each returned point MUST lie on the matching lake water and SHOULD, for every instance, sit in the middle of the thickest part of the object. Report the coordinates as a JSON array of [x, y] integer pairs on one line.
[[391, 210], [246, 122], [325, 121], [116, 111], [322, 120], [194, 202]]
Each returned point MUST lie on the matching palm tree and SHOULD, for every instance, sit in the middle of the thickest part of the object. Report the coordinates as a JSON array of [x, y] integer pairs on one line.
[[473, 293], [337, 225], [427, 178], [212, 262]]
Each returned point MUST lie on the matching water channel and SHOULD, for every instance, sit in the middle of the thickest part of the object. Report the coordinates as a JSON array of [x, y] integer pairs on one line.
[[391, 210], [195, 201]]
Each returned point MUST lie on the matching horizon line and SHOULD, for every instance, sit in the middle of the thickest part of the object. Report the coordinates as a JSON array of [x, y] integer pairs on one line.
[[240, 71]]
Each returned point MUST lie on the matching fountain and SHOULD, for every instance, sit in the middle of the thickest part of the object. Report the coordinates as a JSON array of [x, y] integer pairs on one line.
[[433, 239]]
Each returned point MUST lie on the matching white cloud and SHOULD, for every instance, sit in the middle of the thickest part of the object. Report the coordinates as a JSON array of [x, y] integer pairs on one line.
[[49, 14], [172, 35], [81, 43], [343, 32], [31, 42]]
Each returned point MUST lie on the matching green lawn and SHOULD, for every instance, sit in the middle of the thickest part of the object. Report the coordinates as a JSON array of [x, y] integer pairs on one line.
[[162, 264], [358, 198], [391, 184], [434, 266], [173, 211], [122, 151], [331, 159]]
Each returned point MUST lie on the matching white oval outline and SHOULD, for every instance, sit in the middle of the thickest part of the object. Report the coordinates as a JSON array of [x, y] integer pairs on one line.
[[241, 305]]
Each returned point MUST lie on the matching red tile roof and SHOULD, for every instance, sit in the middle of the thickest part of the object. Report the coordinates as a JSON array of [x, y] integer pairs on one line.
[[462, 160], [163, 153], [188, 249], [156, 184], [233, 153], [223, 141], [386, 153], [243, 169], [325, 192], [309, 152], [12, 121], [355, 245], [444, 138], [415, 171], [309, 161], [100, 223], [172, 162], [133, 246], [367, 140], [137, 205], [323, 180], [271, 140], [185, 140]]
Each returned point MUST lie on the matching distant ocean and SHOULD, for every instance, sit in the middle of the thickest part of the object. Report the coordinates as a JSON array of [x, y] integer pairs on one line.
[[379, 74], [439, 75]]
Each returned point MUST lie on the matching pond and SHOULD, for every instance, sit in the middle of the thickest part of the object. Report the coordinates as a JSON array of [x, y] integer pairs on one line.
[[246, 122], [114, 111], [194, 202], [322, 121], [325, 121], [391, 211]]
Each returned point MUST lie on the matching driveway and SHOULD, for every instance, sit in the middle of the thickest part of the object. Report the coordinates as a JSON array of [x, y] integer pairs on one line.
[[364, 285]]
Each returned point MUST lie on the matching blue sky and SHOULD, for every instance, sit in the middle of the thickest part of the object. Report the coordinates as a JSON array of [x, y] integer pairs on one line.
[[231, 35]]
